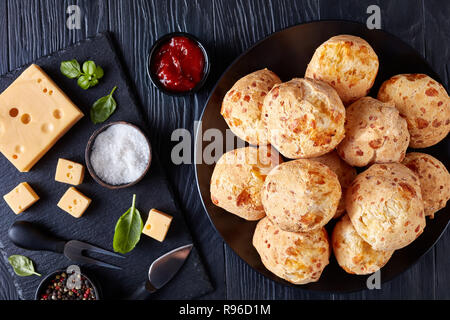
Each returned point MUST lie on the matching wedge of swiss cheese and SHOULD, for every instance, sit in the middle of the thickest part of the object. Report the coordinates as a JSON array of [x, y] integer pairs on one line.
[[34, 114]]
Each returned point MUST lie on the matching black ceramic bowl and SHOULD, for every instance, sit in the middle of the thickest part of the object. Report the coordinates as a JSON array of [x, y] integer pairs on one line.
[[164, 39], [44, 282], [87, 156], [287, 53]]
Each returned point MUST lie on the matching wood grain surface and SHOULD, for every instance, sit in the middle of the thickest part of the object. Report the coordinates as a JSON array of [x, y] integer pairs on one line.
[[32, 28]]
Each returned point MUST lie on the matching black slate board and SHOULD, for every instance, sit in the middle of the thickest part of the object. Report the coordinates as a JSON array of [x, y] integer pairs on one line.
[[97, 224]]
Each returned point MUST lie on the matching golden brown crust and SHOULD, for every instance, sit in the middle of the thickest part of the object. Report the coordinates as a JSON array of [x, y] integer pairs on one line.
[[348, 64], [352, 253], [374, 133], [434, 180], [296, 257], [423, 102], [238, 178], [345, 173], [241, 107], [301, 195], [385, 206], [304, 117]]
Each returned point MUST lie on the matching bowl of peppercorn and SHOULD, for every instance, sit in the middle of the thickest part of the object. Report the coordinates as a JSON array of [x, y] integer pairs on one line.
[[59, 285]]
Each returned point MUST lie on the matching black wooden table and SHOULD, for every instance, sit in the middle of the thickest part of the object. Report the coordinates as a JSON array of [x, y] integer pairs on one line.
[[33, 28]]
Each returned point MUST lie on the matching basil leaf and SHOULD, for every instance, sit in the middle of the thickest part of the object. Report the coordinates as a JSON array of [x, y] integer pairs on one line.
[[71, 69], [94, 82], [99, 72], [84, 82], [89, 67], [128, 230], [22, 265], [103, 108], [86, 79]]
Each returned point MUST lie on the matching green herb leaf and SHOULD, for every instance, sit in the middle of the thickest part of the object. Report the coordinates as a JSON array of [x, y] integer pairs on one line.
[[84, 82], [94, 82], [128, 230], [89, 67], [99, 72], [71, 69], [103, 108], [22, 265], [86, 79]]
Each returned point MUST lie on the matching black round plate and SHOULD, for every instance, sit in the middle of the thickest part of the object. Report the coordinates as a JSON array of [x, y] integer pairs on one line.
[[288, 53]]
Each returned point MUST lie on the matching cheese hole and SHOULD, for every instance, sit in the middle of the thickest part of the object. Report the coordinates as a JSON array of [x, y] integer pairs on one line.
[[26, 118], [20, 207], [47, 127], [148, 227], [45, 90], [75, 201], [69, 176], [15, 156], [70, 207], [14, 112], [39, 80], [70, 166], [57, 114], [19, 149], [50, 92]]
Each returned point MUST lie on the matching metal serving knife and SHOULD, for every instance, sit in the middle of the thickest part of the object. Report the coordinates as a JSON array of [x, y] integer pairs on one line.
[[27, 235], [161, 271]]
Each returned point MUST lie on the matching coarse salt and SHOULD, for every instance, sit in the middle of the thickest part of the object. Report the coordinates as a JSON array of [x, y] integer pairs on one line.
[[120, 154]]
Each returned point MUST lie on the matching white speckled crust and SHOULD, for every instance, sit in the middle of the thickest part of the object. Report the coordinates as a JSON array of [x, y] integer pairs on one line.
[[301, 195], [345, 173], [434, 180], [296, 257], [238, 178], [348, 64], [352, 253], [374, 133], [385, 206], [423, 102], [241, 107], [304, 117]]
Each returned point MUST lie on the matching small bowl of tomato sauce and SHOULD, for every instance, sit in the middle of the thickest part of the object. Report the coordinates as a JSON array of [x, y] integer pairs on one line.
[[178, 64]]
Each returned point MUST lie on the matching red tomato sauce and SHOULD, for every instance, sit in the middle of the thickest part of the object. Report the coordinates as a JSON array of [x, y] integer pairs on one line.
[[179, 64]]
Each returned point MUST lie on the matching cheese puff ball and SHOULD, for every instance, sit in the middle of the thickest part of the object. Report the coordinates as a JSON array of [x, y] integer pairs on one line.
[[345, 173], [434, 180], [423, 102], [385, 206], [374, 133], [296, 257], [241, 107], [347, 63], [238, 178], [304, 117], [301, 195], [352, 253]]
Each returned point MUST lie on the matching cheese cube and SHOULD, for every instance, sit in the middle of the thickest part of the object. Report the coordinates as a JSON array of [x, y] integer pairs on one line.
[[34, 115], [74, 202], [157, 225], [69, 172], [21, 198]]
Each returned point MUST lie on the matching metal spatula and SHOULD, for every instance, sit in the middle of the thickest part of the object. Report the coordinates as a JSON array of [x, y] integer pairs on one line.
[[29, 236]]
